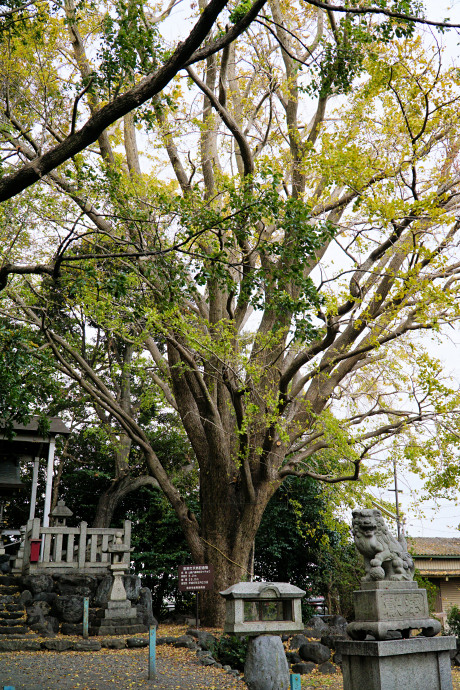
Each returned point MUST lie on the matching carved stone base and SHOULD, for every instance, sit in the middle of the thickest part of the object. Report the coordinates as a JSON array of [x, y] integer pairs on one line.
[[385, 607], [415, 664]]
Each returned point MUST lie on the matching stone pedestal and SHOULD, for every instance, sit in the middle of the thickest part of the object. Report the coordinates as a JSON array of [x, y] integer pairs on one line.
[[385, 607], [419, 663]]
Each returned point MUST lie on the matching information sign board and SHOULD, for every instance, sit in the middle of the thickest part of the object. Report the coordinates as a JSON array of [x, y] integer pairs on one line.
[[195, 578]]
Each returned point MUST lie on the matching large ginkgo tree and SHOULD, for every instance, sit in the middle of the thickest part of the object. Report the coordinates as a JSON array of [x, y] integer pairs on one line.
[[260, 247]]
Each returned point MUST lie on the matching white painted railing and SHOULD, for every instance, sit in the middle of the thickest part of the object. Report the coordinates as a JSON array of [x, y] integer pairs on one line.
[[80, 549]]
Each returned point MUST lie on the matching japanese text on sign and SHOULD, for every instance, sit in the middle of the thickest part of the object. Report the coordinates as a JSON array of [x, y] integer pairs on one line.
[[195, 578]]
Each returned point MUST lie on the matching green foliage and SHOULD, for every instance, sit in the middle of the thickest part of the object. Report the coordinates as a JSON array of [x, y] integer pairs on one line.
[[289, 553], [130, 46], [306, 548], [159, 547], [28, 386], [232, 650], [431, 590], [355, 40], [240, 10], [453, 620]]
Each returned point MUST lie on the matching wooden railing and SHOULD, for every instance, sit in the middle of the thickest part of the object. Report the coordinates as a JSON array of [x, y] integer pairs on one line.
[[80, 549]]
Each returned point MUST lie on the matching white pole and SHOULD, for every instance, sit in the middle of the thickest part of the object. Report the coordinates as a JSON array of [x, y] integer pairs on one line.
[[33, 495], [49, 483]]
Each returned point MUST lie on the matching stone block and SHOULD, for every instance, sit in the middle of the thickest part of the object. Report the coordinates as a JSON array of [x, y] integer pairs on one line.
[[315, 651], [137, 642], [102, 593], [57, 645], [390, 604], [266, 667], [39, 583], [327, 668], [86, 646], [113, 643], [69, 608], [384, 607], [303, 667], [144, 607], [298, 640], [120, 609], [418, 663], [20, 646], [132, 585]]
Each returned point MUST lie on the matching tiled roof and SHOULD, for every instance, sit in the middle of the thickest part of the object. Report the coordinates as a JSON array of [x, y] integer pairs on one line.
[[434, 546]]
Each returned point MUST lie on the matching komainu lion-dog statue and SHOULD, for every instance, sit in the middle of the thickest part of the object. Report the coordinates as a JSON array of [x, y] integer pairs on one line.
[[385, 558]]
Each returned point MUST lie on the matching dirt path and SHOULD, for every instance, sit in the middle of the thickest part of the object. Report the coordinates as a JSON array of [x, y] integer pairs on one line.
[[177, 669]]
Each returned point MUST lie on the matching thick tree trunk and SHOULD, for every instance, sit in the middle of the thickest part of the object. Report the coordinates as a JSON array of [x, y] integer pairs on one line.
[[229, 523], [110, 499]]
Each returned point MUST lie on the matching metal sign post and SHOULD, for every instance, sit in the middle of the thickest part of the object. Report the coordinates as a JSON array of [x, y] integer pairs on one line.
[[152, 652], [294, 681], [85, 617]]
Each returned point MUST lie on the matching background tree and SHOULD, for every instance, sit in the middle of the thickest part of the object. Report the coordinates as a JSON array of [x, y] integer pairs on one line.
[[269, 281], [309, 547]]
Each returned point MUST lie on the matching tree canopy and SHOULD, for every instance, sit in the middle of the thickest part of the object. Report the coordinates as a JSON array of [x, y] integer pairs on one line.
[[259, 248]]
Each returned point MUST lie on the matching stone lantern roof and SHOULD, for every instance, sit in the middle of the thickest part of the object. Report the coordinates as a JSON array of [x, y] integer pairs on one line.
[[61, 512], [254, 590]]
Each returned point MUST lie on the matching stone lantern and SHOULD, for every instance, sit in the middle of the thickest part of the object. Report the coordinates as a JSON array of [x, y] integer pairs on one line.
[[264, 611], [258, 608], [60, 514], [119, 606]]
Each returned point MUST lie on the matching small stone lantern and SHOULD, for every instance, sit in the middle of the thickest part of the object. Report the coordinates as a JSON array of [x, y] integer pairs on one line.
[[263, 608], [118, 605], [60, 514]]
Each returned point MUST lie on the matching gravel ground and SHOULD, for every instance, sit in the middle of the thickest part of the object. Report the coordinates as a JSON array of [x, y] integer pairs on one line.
[[177, 669]]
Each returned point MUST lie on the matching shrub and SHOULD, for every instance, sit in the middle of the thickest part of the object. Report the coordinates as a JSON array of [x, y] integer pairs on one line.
[[232, 650], [453, 620]]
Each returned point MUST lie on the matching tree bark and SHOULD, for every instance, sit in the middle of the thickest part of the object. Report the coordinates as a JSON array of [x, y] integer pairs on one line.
[[110, 499]]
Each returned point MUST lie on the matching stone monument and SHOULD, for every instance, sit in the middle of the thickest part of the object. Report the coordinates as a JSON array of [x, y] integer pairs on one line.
[[264, 611], [388, 607]]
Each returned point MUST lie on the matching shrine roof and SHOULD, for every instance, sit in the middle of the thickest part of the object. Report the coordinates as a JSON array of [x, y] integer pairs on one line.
[[434, 547], [57, 426]]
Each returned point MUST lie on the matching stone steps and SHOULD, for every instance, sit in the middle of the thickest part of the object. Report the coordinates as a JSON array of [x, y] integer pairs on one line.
[[11, 608], [13, 630], [12, 614], [8, 589], [9, 581]]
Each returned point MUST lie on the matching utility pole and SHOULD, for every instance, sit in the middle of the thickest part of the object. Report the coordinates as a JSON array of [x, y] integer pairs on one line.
[[398, 521]]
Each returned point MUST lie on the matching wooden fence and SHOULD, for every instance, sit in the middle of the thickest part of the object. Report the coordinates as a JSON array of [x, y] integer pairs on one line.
[[79, 549]]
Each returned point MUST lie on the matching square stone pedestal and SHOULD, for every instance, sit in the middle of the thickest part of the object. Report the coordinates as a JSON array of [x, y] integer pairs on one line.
[[419, 663]]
